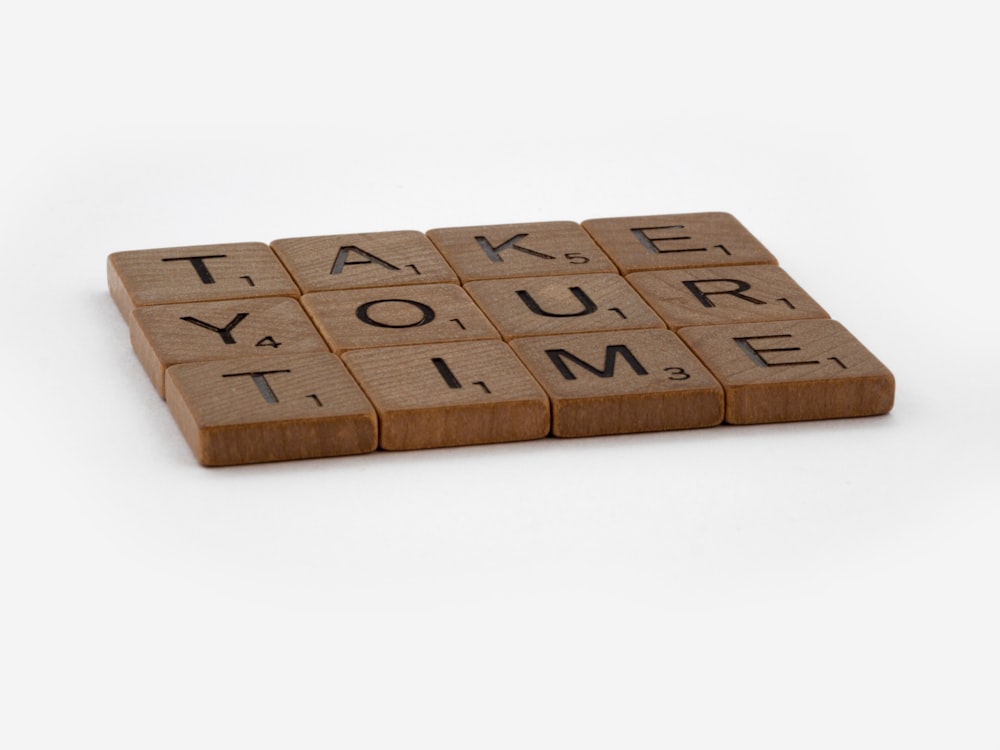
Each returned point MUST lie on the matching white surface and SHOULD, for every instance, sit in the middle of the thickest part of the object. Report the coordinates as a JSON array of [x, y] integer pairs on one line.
[[821, 585]]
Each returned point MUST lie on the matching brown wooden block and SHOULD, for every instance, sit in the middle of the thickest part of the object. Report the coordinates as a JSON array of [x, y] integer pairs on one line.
[[350, 261], [646, 243], [727, 294], [240, 411], [792, 370], [546, 305], [436, 395], [501, 251], [615, 382], [165, 335], [197, 273], [397, 316]]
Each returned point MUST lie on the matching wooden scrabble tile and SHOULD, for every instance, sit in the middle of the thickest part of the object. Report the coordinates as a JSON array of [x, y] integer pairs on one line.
[[646, 243], [249, 410], [165, 335], [350, 261], [197, 273], [793, 370], [727, 294], [501, 251], [396, 316], [464, 393], [615, 382], [545, 305]]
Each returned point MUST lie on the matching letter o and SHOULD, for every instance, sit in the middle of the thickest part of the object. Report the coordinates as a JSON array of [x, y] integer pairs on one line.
[[426, 313]]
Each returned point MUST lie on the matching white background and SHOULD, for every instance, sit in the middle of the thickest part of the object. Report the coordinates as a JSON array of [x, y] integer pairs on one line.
[[819, 585]]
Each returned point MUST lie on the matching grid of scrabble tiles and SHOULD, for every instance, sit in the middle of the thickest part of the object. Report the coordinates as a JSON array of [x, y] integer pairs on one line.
[[342, 344]]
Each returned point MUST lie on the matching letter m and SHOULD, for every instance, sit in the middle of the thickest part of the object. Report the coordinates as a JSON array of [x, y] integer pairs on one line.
[[559, 358]]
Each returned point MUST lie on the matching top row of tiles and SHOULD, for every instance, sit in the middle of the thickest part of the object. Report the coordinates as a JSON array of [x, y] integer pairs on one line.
[[455, 254]]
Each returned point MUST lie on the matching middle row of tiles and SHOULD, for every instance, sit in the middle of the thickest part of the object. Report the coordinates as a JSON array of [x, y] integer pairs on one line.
[[508, 309]]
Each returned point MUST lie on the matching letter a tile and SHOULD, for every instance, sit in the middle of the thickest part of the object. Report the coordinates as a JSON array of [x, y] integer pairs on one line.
[[240, 411], [436, 395], [792, 370], [352, 261], [615, 382]]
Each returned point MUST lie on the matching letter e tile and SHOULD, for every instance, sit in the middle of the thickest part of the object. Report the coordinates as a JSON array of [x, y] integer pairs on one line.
[[464, 393], [792, 370], [646, 243], [250, 410]]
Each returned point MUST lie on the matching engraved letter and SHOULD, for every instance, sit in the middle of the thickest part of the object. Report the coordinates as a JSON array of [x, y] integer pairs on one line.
[[703, 297], [260, 380], [426, 314], [493, 253], [754, 353], [198, 261], [611, 353], [588, 304], [341, 260], [226, 333]]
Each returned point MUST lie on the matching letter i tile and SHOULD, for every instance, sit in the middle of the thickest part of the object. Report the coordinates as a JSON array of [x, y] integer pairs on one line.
[[250, 410], [792, 370], [459, 393]]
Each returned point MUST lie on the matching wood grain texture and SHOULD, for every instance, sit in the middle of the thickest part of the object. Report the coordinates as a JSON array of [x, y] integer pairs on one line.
[[197, 273], [165, 335], [727, 294], [647, 243], [499, 251], [436, 395], [372, 259], [397, 316], [616, 382], [792, 370], [252, 410], [547, 305]]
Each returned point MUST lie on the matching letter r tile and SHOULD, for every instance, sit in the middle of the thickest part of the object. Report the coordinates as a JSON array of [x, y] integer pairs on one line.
[[614, 382], [240, 411], [724, 294], [464, 393], [793, 370], [647, 243], [501, 251]]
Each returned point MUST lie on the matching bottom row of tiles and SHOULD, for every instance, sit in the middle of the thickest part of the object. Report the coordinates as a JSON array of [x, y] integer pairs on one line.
[[283, 407]]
